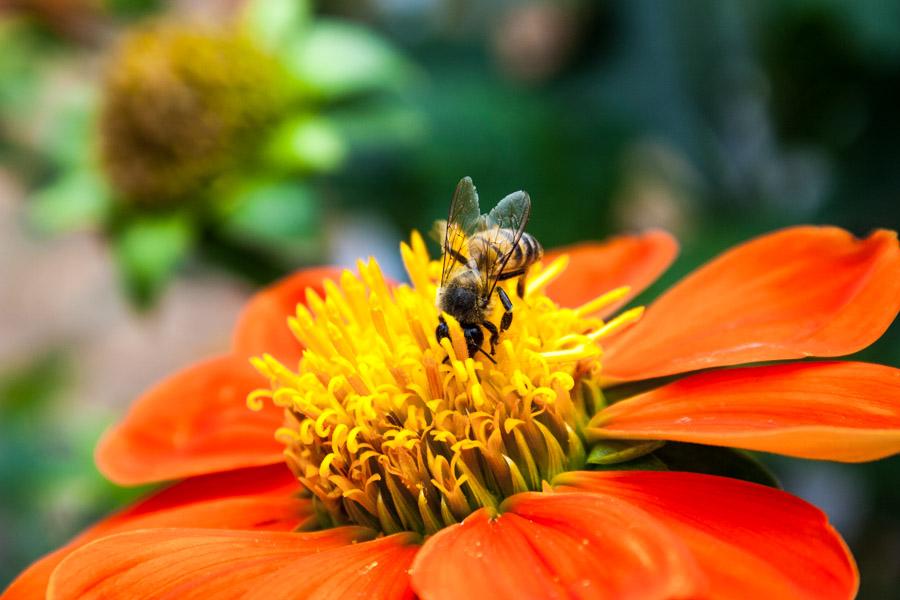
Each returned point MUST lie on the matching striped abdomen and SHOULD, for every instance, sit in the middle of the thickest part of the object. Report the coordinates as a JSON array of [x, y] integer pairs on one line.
[[487, 250]]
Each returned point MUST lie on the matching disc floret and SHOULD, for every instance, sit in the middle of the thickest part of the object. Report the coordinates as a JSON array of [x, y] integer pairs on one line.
[[391, 429]]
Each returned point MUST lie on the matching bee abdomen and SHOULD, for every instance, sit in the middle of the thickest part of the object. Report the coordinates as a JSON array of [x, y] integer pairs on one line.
[[531, 249], [486, 249], [527, 252]]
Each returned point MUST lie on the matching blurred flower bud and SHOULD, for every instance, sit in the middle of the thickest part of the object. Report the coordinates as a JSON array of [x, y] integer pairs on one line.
[[659, 189], [533, 41], [182, 105]]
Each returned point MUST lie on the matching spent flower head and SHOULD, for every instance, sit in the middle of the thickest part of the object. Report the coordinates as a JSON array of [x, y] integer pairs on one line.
[[182, 103]]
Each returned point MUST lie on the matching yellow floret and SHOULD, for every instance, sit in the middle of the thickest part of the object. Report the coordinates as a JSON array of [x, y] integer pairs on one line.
[[391, 429]]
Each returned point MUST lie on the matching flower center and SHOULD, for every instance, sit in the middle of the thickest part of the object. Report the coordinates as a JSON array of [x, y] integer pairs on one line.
[[392, 429]]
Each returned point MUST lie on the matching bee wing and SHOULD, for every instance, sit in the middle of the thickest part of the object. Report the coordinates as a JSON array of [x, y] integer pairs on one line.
[[510, 215], [463, 220]]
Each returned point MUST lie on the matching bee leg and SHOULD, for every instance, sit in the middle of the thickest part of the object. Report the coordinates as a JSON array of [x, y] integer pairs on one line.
[[506, 319], [442, 331], [495, 335], [520, 284]]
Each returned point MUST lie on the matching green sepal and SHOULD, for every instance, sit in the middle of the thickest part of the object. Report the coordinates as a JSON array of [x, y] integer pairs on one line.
[[614, 452], [148, 250], [648, 462], [714, 460]]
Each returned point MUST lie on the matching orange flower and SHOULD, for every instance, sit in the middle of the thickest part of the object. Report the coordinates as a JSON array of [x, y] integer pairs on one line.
[[425, 473]]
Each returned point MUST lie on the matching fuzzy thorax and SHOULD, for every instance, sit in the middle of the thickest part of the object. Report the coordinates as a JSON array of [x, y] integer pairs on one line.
[[391, 429]]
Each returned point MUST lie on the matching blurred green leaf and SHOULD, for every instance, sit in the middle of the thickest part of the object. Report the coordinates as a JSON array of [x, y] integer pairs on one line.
[[307, 144], [275, 23], [50, 484], [27, 390], [20, 74], [336, 59], [131, 8], [280, 215], [148, 250], [377, 125], [79, 199], [68, 140]]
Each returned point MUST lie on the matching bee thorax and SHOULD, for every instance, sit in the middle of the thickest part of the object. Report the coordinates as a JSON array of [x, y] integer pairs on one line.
[[463, 303]]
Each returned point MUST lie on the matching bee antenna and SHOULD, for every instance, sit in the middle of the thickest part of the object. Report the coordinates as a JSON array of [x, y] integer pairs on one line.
[[489, 357]]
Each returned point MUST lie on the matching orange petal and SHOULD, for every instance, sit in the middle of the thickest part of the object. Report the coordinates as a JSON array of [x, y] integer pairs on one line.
[[261, 498], [595, 268], [185, 563], [751, 541], [31, 584], [376, 570], [262, 327], [805, 291], [254, 481], [843, 411], [193, 423], [556, 546]]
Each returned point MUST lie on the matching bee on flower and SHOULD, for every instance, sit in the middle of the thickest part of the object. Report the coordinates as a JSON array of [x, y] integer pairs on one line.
[[385, 459], [478, 252]]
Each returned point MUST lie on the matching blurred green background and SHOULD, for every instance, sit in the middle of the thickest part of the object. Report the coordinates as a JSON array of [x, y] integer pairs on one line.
[[161, 160]]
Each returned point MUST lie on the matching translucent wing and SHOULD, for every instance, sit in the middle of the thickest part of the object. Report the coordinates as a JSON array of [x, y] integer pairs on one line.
[[463, 220], [502, 228], [511, 213]]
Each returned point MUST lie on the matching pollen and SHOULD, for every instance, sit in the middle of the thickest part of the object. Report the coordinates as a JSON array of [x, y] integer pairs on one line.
[[391, 429]]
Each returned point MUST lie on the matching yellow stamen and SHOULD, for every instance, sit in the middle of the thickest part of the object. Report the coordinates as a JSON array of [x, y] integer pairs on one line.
[[603, 301], [620, 322], [543, 277], [390, 428]]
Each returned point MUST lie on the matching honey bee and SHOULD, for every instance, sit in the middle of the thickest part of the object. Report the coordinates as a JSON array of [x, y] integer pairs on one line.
[[478, 252]]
